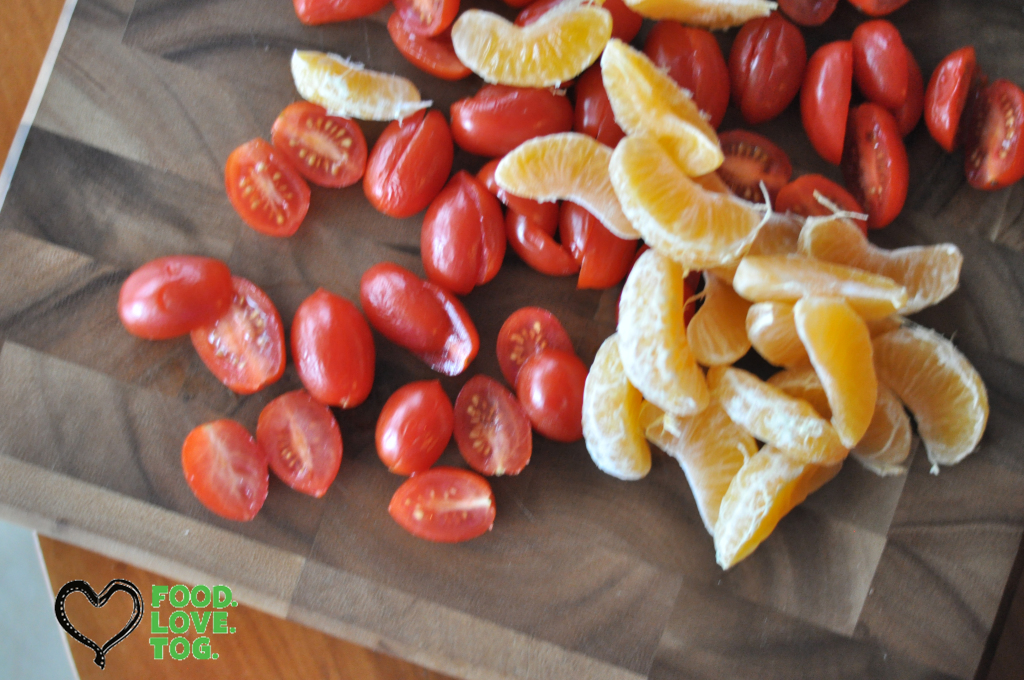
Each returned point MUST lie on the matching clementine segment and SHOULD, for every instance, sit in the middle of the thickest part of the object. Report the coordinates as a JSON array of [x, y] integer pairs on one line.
[[717, 332], [772, 332], [706, 13], [778, 236]]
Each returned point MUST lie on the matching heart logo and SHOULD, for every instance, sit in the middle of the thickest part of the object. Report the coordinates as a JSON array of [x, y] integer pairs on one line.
[[98, 601]]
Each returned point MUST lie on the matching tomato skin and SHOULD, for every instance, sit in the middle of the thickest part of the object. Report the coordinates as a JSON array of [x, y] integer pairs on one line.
[[766, 67], [409, 164], [226, 469], [808, 12], [170, 296], [526, 332], [254, 165], [593, 112], [535, 245], [316, 12], [825, 98], [993, 125], [543, 213], [550, 388], [303, 129], [463, 237], [798, 197], [909, 114], [625, 22], [491, 428], [880, 63], [499, 118], [603, 257], [694, 60], [333, 350], [946, 96], [878, 8], [414, 427], [444, 505], [420, 316], [435, 56], [875, 163], [750, 159], [430, 18], [302, 442]]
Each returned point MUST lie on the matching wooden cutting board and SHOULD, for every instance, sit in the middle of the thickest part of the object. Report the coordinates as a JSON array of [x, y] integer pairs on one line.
[[583, 576]]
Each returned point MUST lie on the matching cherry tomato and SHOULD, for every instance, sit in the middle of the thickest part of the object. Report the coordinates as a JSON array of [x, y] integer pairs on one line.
[[751, 159], [445, 505], [880, 63], [315, 12], [302, 442], [993, 152], [420, 316], [409, 164], [808, 12], [170, 296], [825, 98], [427, 17], [499, 118], [694, 60], [875, 163], [908, 114], [593, 112], [877, 8], [491, 428], [329, 151], [603, 257], [435, 56], [798, 197], [625, 22], [517, 3], [535, 244], [766, 67], [244, 347], [226, 469], [526, 332], [333, 350], [544, 213], [947, 94], [265, 190], [550, 388], [414, 427]]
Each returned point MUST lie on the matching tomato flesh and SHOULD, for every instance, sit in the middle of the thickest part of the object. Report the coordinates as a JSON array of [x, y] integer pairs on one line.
[[751, 159], [316, 12], [603, 257], [947, 94], [534, 243], [265, 190], [694, 60], [499, 118], [909, 114], [445, 505], [433, 55], [491, 428], [766, 67], [329, 151], [302, 442], [171, 296], [825, 98], [880, 63], [808, 12], [875, 163], [526, 332], [542, 213], [409, 164], [798, 197], [993, 152], [550, 388], [427, 17], [878, 8], [414, 427], [593, 112], [226, 469]]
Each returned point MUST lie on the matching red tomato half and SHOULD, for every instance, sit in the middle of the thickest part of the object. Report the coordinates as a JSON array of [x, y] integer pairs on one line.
[[535, 244], [499, 118], [302, 442], [526, 332], [329, 151], [751, 159], [880, 63], [947, 93], [908, 114], [694, 60], [315, 12], [625, 22], [414, 427], [170, 296], [409, 164], [435, 56], [427, 17], [265, 190], [766, 67], [226, 469], [993, 152], [445, 505], [877, 8], [808, 12], [603, 257], [244, 348], [825, 98], [798, 197], [491, 428], [875, 163], [550, 388], [543, 213], [593, 111], [420, 316], [333, 350]]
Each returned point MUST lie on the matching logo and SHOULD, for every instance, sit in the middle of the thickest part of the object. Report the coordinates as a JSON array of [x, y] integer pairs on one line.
[[179, 621], [98, 601]]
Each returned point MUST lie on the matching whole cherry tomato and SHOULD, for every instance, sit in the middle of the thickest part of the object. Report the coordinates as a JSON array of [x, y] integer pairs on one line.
[[302, 442], [265, 190], [825, 98], [409, 164], [428, 17], [808, 12], [526, 332], [445, 505], [908, 114], [329, 151], [694, 60], [414, 427], [550, 388], [625, 22], [226, 469], [535, 244], [798, 197], [315, 12], [333, 350], [603, 257], [877, 8], [880, 63], [994, 123], [420, 316], [463, 237], [875, 163], [593, 111], [751, 159], [170, 296], [766, 67], [491, 428], [435, 56], [543, 213], [946, 96], [499, 118]]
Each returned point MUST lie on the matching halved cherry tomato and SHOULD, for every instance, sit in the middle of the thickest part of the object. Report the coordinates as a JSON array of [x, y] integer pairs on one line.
[[808, 12], [414, 427], [593, 111], [499, 118], [315, 12], [825, 98], [170, 296], [880, 63], [409, 164], [543, 213], [226, 469], [517, 3], [766, 67], [526, 332], [302, 442], [435, 56], [463, 237], [329, 151], [908, 114], [445, 505], [947, 93], [694, 60], [428, 17], [798, 197], [875, 163], [265, 190], [625, 22], [244, 347], [550, 388], [877, 8], [333, 350], [993, 152], [751, 159], [491, 428], [603, 257], [535, 244], [420, 316]]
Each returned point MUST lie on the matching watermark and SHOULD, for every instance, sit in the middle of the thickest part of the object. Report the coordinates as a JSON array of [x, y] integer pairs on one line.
[[117, 585], [211, 616]]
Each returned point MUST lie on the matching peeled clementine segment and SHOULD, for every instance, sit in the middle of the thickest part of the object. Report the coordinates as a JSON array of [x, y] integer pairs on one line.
[[345, 88], [772, 332], [565, 166], [557, 47], [803, 383], [713, 182], [698, 228], [772, 416], [778, 236], [718, 331], [885, 324], [787, 278], [939, 386], [611, 417], [929, 273], [707, 13], [646, 99], [652, 337]]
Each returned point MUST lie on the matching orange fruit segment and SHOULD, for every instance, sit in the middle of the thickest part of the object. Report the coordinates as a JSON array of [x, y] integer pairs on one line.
[[565, 166], [772, 332], [718, 332], [346, 89], [778, 236], [557, 47], [707, 13]]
